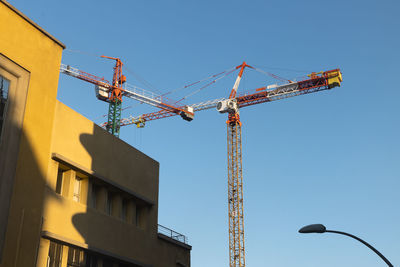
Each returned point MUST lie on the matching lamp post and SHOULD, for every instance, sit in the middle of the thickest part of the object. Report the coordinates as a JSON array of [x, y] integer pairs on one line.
[[320, 228]]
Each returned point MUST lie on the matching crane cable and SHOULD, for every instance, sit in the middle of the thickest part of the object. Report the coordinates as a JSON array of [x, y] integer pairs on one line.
[[137, 76], [142, 80], [82, 52], [227, 72], [283, 69], [153, 88], [199, 81], [271, 75], [149, 85]]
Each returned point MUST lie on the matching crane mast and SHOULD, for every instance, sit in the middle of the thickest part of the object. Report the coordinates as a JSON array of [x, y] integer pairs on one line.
[[235, 178], [115, 103], [235, 193]]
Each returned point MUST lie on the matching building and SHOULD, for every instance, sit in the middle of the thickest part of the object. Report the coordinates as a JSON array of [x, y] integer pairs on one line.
[[71, 194]]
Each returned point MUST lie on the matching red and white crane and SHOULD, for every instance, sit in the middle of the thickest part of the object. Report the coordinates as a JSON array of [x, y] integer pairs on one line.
[[315, 82]]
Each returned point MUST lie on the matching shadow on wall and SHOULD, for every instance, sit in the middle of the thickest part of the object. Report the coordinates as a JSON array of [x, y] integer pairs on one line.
[[98, 225], [22, 187], [89, 226], [121, 207]]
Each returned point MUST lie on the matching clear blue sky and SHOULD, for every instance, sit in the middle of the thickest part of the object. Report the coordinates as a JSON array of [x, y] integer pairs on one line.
[[331, 157]]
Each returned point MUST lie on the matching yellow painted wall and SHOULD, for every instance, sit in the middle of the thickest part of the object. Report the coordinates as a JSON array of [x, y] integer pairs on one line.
[[81, 141], [27, 46]]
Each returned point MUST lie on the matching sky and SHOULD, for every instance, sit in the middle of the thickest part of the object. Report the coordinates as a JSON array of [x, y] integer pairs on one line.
[[331, 157]]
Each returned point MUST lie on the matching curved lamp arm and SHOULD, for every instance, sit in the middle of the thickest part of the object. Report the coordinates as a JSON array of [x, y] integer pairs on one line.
[[320, 228], [365, 243]]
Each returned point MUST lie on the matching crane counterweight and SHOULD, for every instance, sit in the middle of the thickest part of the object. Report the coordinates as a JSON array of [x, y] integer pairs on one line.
[[187, 114]]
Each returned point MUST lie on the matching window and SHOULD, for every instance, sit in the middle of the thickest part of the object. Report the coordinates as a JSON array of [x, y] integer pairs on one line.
[[60, 174], [107, 263], [76, 257], [109, 203], [93, 196], [77, 189], [124, 209], [14, 82], [4, 85], [140, 216], [55, 255], [137, 218], [91, 260]]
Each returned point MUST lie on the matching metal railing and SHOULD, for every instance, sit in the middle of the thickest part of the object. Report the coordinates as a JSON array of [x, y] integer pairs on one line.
[[172, 234]]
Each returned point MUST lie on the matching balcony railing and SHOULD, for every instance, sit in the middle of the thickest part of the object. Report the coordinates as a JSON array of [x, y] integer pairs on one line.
[[172, 234]]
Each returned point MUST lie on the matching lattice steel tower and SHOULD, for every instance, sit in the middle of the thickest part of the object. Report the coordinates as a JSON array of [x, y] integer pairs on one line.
[[235, 192]]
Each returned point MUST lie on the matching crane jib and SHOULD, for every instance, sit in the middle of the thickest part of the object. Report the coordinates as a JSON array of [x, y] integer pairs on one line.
[[317, 82]]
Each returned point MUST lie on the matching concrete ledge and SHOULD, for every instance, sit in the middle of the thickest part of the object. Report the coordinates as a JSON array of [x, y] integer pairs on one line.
[[86, 171], [68, 241]]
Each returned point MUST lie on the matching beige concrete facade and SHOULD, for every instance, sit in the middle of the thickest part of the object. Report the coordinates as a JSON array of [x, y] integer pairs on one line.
[[71, 194]]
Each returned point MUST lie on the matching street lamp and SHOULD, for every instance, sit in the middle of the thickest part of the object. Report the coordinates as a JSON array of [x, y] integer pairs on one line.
[[320, 228]]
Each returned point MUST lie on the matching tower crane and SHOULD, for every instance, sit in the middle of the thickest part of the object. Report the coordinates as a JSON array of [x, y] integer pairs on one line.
[[315, 82], [112, 93]]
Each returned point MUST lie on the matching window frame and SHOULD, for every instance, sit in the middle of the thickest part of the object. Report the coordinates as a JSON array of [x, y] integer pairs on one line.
[[60, 181], [124, 209], [77, 254], [18, 78], [4, 115], [77, 189], [56, 249], [109, 202]]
